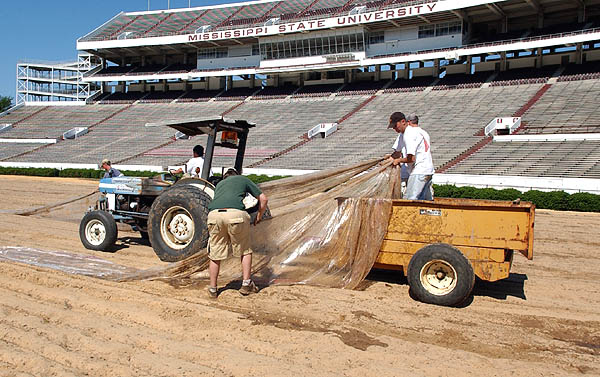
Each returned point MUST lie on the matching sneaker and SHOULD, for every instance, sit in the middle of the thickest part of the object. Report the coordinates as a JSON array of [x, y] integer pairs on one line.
[[212, 294], [248, 289]]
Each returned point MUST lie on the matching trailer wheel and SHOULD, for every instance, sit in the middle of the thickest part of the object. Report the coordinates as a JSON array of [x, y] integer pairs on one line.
[[98, 231], [440, 274], [177, 223]]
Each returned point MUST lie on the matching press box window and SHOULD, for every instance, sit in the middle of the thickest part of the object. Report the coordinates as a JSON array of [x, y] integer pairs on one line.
[[377, 37], [426, 31]]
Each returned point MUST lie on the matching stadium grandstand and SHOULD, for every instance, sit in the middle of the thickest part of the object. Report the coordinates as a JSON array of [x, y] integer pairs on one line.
[[505, 88]]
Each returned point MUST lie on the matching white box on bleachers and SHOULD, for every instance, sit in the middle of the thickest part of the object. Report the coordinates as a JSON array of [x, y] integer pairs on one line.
[[75, 132], [506, 123], [324, 129]]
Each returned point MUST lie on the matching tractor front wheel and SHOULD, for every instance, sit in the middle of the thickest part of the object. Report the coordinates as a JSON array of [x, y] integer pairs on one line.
[[98, 231], [177, 223]]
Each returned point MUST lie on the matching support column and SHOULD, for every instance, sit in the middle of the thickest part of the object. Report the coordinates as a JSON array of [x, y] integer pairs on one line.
[[579, 53], [229, 82], [406, 72], [581, 14], [504, 26], [378, 72], [435, 70], [503, 62], [539, 60], [469, 64], [252, 81]]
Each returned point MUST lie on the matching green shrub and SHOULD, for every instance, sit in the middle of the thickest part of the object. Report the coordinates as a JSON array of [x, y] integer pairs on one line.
[[36, 172], [583, 202], [556, 200]]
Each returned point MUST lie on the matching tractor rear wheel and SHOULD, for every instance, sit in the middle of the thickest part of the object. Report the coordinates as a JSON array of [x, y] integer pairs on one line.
[[440, 274], [98, 231], [177, 223]]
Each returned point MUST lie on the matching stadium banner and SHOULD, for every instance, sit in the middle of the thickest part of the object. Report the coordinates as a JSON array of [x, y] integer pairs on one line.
[[293, 27]]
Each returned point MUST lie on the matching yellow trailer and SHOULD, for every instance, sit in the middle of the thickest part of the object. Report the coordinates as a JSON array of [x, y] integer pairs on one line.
[[442, 245]]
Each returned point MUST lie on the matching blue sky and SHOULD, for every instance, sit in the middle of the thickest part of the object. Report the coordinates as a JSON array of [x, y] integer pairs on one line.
[[48, 30]]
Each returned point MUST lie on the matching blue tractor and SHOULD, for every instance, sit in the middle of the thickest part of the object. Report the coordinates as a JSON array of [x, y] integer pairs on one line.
[[170, 212]]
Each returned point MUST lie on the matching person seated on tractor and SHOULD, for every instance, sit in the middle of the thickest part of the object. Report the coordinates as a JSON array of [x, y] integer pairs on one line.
[[229, 227], [110, 171], [193, 168]]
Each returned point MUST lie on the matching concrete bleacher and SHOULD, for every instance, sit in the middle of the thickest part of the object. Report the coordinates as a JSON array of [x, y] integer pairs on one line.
[[125, 134], [8, 150], [20, 114], [54, 121], [567, 107], [451, 117], [576, 159]]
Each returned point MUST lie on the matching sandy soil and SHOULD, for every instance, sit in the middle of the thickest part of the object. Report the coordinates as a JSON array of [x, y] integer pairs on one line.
[[542, 321]]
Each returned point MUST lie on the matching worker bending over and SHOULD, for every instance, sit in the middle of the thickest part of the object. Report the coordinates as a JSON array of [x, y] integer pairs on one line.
[[229, 227]]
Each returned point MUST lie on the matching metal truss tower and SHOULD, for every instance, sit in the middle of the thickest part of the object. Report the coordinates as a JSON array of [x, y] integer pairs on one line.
[[57, 83]]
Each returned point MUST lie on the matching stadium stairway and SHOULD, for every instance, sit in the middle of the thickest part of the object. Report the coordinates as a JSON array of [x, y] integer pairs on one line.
[[482, 143]]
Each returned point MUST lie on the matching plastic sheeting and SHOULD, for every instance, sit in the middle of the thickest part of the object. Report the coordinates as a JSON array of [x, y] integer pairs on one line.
[[327, 229]]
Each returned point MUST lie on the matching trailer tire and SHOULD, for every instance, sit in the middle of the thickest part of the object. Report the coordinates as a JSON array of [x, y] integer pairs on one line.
[[440, 274], [184, 208], [98, 231]]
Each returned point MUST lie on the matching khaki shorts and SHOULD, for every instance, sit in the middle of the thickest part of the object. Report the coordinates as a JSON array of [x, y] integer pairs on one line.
[[228, 229]]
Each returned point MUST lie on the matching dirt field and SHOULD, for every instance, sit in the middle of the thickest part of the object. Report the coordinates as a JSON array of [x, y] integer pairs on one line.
[[543, 321]]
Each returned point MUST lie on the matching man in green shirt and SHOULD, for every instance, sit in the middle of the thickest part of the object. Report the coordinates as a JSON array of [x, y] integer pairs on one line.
[[229, 227]]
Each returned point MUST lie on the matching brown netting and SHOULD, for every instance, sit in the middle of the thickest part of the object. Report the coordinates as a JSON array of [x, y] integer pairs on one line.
[[327, 229]]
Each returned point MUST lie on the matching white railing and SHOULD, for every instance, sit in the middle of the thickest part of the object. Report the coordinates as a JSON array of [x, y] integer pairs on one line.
[[10, 110], [28, 141], [547, 138]]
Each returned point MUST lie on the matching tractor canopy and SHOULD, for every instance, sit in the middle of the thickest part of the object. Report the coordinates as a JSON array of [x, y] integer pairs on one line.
[[234, 135]]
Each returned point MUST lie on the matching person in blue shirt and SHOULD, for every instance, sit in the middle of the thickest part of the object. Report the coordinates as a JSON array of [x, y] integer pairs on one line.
[[110, 171]]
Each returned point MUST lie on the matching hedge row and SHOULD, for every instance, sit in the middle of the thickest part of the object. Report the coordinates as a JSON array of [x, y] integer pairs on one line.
[[69, 173], [92, 173], [556, 200]]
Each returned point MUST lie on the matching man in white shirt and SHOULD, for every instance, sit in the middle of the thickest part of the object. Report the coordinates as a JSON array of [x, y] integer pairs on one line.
[[418, 157], [195, 164]]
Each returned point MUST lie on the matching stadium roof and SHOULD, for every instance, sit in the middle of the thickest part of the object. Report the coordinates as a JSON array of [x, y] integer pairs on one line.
[[141, 28], [185, 30]]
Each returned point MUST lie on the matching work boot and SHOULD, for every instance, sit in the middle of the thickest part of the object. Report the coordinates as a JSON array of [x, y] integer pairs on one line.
[[212, 292], [248, 289]]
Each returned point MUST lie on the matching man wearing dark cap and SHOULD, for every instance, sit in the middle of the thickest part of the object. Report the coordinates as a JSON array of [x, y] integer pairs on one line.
[[397, 119], [229, 227]]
